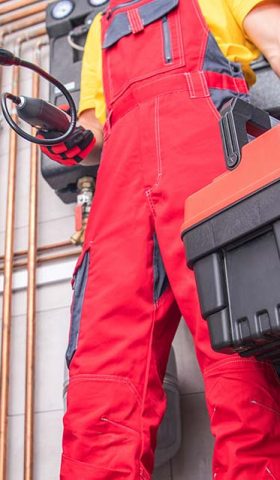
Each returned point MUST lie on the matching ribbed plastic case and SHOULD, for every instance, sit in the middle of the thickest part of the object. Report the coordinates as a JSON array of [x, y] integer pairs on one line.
[[233, 246]]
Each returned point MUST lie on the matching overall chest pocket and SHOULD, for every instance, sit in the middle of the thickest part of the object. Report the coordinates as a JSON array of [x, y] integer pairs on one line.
[[141, 40]]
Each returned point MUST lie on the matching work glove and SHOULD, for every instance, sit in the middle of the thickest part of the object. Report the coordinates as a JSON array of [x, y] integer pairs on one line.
[[73, 150]]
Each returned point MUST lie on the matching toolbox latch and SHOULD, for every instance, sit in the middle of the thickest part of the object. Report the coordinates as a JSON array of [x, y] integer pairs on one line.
[[238, 120]]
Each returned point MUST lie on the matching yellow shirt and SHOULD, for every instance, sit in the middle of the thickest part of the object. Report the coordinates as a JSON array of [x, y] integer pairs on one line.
[[225, 20]]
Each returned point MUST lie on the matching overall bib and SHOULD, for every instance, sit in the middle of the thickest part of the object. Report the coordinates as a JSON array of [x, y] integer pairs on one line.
[[164, 80]]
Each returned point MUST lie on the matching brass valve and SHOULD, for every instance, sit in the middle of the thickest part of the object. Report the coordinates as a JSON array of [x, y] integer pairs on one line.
[[86, 187]]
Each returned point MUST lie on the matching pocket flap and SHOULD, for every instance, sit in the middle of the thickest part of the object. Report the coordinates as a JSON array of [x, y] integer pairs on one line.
[[120, 25]]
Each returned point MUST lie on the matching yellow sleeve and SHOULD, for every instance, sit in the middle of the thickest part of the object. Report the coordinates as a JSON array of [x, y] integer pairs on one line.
[[92, 94], [241, 8]]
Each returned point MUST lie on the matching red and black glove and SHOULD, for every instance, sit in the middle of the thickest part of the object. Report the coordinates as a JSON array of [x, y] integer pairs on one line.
[[73, 150]]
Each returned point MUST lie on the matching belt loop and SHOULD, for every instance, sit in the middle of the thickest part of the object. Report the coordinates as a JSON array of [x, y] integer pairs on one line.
[[197, 84], [188, 77], [135, 20], [204, 83]]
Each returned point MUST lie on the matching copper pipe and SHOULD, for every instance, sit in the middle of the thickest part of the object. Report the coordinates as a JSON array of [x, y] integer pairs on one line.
[[31, 288], [48, 258], [43, 248], [16, 6], [8, 268], [17, 27], [19, 264], [27, 22], [40, 7], [31, 298], [6, 323], [59, 256]]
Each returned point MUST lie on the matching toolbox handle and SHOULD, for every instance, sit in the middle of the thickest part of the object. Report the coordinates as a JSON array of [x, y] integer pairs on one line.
[[238, 119]]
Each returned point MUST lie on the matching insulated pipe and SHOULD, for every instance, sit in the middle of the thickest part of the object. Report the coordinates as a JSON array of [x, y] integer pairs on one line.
[[31, 290], [41, 7], [8, 268], [16, 6]]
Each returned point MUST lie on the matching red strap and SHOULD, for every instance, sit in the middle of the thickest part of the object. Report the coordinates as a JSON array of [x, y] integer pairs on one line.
[[226, 82], [78, 217], [135, 21]]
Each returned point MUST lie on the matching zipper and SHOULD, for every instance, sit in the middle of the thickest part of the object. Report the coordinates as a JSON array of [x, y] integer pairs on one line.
[[109, 11], [166, 40]]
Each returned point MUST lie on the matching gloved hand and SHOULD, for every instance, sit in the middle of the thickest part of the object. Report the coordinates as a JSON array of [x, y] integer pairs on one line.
[[73, 150]]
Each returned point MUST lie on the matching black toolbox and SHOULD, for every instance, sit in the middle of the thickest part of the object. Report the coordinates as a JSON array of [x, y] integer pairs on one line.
[[231, 234]]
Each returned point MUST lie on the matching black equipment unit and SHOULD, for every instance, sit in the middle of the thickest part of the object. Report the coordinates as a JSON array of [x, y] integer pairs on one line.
[[68, 23]]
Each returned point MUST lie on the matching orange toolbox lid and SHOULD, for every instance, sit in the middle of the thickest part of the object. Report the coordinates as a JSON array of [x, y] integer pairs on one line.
[[259, 167]]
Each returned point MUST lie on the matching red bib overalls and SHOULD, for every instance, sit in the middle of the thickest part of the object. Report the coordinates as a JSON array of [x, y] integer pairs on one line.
[[164, 78]]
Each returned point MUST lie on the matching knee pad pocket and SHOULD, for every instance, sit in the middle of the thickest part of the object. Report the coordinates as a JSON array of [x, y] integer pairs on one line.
[[243, 401], [102, 426]]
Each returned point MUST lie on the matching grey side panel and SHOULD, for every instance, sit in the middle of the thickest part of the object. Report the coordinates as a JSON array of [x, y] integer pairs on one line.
[[221, 96], [120, 26], [76, 309], [215, 61], [160, 278]]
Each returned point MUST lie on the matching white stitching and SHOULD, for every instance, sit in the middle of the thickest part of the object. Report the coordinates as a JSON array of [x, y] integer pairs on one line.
[[226, 362], [204, 84], [157, 137], [119, 424], [206, 31], [149, 198], [213, 413], [146, 381], [190, 84], [213, 108], [182, 57], [270, 473], [270, 409], [111, 378]]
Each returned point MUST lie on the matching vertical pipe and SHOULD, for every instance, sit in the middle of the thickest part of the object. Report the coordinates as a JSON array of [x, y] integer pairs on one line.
[[31, 295], [7, 292], [8, 270]]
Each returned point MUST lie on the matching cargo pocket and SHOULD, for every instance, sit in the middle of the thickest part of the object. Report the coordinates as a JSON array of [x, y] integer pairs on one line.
[[79, 285]]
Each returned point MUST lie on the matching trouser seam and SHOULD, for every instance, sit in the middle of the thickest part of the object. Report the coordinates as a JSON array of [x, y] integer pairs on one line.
[[149, 356]]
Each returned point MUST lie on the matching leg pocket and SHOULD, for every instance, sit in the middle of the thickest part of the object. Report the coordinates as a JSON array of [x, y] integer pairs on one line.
[[243, 400], [102, 426], [79, 285]]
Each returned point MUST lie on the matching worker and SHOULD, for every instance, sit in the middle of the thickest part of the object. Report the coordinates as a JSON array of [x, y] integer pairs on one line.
[[168, 66]]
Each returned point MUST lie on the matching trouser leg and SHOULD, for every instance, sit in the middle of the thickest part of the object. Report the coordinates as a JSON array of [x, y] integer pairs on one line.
[[243, 396], [127, 322]]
